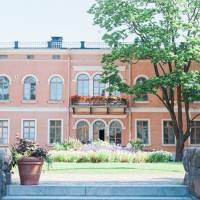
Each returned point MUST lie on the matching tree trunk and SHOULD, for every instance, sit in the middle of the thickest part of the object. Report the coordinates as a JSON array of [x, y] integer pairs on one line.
[[179, 150]]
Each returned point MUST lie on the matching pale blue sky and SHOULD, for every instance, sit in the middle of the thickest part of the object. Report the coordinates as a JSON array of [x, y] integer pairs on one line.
[[38, 20]]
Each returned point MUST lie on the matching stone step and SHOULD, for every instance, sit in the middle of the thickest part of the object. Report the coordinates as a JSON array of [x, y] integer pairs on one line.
[[94, 198], [98, 190]]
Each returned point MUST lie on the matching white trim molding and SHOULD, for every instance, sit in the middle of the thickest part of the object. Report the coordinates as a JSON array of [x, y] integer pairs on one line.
[[140, 76], [116, 120], [96, 120], [80, 120], [77, 75], [34, 109], [159, 109], [48, 134], [99, 116], [189, 139], [162, 136], [10, 81], [23, 79], [94, 68], [149, 129], [63, 81], [8, 136], [22, 127]]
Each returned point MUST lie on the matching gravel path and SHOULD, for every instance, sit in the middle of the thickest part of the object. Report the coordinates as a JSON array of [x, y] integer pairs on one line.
[[148, 179]]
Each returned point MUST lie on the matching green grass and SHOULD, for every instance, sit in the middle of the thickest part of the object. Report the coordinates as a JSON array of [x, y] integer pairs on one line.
[[114, 168]]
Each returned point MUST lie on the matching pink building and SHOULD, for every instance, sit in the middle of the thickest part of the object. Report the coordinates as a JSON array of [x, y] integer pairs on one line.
[[37, 82]]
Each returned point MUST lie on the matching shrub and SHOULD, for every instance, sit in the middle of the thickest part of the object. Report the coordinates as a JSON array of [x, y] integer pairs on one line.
[[159, 156], [137, 144], [72, 143], [58, 146]]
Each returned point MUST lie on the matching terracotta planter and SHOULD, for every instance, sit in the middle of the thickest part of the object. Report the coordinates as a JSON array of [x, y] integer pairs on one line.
[[29, 170]]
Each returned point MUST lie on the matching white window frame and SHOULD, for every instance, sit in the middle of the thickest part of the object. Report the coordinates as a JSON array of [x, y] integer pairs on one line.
[[54, 119], [22, 126], [149, 138], [162, 127], [189, 139], [6, 119]]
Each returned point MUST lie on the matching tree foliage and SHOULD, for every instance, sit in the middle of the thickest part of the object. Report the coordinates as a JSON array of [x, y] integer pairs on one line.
[[166, 32]]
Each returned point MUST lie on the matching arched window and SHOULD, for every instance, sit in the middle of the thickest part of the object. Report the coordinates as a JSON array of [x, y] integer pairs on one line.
[[99, 88], [142, 96], [82, 131], [56, 89], [83, 85], [4, 88], [115, 132], [30, 88], [98, 130]]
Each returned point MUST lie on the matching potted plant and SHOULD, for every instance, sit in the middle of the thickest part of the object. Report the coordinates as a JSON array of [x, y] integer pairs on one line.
[[29, 157]]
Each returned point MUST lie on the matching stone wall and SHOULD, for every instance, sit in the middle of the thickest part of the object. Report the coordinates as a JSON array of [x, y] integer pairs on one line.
[[191, 162], [5, 170]]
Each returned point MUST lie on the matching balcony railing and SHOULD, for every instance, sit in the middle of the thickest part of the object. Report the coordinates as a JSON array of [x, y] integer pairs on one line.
[[55, 45]]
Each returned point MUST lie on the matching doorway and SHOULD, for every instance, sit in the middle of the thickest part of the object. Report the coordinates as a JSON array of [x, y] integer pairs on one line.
[[102, 134]]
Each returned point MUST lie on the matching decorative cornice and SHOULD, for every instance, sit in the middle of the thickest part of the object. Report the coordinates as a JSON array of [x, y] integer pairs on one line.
[[94, 68]]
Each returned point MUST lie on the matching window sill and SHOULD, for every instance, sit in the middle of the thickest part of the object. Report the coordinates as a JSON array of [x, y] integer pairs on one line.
[[5, 101], [141, 101], [168, 145], [193, 145], [196, 102], [49, 145], [61, 101], [147, 145], [4, 145], [29, 101]]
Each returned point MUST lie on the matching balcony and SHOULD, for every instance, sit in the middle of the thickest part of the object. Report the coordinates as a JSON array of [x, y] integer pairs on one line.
[[98, 104]]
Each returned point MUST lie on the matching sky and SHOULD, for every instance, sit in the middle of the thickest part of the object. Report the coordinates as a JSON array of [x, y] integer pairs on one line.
[[38, 20]]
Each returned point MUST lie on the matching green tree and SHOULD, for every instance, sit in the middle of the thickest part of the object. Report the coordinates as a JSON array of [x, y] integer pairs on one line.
[[166, 32]]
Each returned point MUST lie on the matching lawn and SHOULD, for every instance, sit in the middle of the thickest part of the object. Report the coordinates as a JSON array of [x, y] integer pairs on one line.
[[114, 168]]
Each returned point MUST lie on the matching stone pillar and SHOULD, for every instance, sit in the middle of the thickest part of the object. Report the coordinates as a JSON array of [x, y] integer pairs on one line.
[[191, 162], [5, 170]]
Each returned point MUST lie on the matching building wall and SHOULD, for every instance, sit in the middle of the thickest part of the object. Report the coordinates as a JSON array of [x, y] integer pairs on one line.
[[71, 64]]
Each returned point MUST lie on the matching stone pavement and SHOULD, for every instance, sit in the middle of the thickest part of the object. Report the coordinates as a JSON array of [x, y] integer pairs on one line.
[[133, 179]]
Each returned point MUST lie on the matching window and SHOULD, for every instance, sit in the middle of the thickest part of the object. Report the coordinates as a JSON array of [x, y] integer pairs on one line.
[[56, 89], [195, 132], [3, 132], [115, 132], [30, 57], [168, 133], [56, 57], [99, 88], [30, 88], [2, 57], [55, 127], [83, 85], [29, 129], [142, 96], [98, 128], [142, 130], [82, 131], [4, 88]]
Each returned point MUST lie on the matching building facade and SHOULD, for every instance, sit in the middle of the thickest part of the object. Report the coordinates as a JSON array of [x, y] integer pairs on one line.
[[50, 92]]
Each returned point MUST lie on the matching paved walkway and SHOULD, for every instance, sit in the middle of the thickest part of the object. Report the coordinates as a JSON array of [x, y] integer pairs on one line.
[[148, 179]]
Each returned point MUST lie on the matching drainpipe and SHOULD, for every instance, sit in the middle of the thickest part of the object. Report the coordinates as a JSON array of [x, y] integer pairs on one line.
[[130, 114], [68, 83]]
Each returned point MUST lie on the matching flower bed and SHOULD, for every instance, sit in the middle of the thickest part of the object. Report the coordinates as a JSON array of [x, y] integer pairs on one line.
[[105, 152]]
